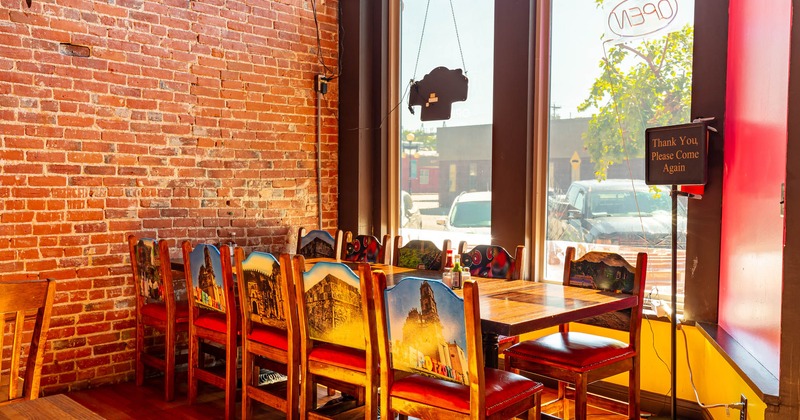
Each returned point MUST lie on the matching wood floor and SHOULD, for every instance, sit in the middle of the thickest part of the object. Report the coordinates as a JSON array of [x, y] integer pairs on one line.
[[127, 401]]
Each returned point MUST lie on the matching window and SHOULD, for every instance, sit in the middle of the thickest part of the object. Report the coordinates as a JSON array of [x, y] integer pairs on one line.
[[599, 85], [624, 71], [443, 161]]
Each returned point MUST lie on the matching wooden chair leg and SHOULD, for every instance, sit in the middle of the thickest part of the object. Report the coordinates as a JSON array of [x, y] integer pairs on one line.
[[634, 396], [535, 413], [562, 397], [307, 388], [247, 374], [139, 350], [292, 387], [385, 412], [169, 364], [194, 350], [230, 380], [581, 397], [361, 396], [371, 403]]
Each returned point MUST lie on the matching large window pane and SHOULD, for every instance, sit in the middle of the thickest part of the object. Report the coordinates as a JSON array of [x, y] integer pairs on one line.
[[445, 168], [604, 92]]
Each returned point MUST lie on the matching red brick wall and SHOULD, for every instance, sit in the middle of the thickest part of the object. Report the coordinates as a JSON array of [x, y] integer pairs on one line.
[[187, 120]]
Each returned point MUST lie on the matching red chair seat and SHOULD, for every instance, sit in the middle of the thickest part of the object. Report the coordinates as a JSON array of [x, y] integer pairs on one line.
[[210, 320], [343, 357], [573, 349], [270, 336], [503, 390], [159, 311]]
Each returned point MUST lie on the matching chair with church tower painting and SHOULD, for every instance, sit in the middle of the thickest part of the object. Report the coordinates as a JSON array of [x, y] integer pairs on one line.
[[319, 244], [156, 309], [431, 356], [213, 320], [270, 340], [366, 248], [336, 325]]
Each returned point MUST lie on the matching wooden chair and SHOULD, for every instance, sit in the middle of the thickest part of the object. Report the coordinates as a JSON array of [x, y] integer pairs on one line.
[[337, 327], [270, 337], [419, 254], [580, 358], [431, 356], [156, 308], [17, 298], [492, 261], [319, 244], [213, 319], [495, 262], [365, 248]]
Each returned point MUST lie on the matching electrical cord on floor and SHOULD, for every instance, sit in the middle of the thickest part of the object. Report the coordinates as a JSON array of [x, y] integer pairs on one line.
[[655, 349], [728, 406]]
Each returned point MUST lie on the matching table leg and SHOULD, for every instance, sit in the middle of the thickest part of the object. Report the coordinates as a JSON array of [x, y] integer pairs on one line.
[[490, 350]]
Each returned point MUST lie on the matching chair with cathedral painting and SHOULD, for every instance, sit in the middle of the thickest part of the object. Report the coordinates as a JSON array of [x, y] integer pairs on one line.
[[270, 340], [431, 356], [213, 320], [319, 244], [336, 325], [419, 254], [156, 309], [365, 248]]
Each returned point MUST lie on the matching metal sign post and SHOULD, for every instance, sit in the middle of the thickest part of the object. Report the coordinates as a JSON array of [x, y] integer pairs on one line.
[[676, 155]]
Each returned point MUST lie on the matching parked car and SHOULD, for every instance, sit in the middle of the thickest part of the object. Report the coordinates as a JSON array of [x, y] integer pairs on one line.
[[469, 218], [616, 212]]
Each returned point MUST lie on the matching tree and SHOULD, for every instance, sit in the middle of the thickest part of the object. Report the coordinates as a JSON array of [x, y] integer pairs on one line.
[[640, 86]]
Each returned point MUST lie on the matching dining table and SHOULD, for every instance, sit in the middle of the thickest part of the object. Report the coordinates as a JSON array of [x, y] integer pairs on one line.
[[56, 406]]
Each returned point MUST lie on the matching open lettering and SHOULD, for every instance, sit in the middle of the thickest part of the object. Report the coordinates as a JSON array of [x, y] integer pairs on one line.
[[630, 18]]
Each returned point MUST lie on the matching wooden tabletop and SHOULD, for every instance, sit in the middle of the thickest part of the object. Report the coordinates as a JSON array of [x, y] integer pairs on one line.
[[513, 307], [58, 406]]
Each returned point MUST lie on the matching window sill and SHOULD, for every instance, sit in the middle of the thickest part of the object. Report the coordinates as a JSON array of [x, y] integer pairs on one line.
[[748, 367]]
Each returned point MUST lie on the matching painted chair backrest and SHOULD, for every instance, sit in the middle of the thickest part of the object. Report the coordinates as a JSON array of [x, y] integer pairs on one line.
[[333, 305], [489, 261], [420, 254], [610, 272], [319, 244], [148, 272], [208, 288], [426, 329], [365, 248], [262, 293]]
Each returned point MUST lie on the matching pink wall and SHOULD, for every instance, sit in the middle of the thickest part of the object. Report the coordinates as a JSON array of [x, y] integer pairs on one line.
[[755, 167]]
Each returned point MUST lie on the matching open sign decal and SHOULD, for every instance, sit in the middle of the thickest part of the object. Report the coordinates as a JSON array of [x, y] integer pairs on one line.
[[634, 18]]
